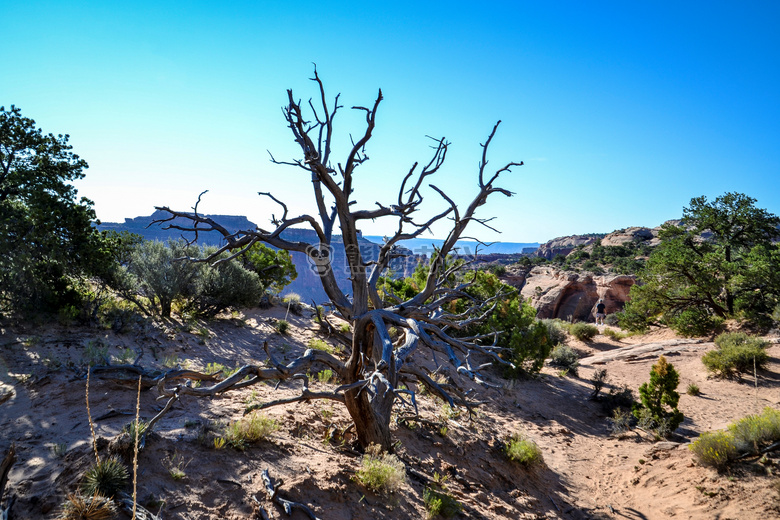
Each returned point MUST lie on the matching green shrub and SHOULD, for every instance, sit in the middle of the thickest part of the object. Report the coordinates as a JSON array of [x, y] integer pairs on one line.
[[282, 326], [614, 334], [381, 472], [222, 286], [318, 344], [753, 432], [96, 353], [736, 354], [105, 478], [218, 368], [324, 376], [620, 422], [293, 303], [694, 322], [693, 389], [249, 430], [131, 427], [524, 451], [555, 331], [583, 331], [716, 449], [440, 503], [565, 357], [657, 394], [748, 435]]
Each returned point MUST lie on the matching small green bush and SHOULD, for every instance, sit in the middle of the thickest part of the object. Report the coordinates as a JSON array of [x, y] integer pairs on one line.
[[583, 331], [218, 368], [694, 322], [555, 331], [318, 344], [324, 376], [735, 354], [753, 432], [105, 478], [440, 503], [748, 435], [658, 394], [614, 334], [693, 389], [282, 326], [131, 428], [524, 451], [620, 422], [381, 472], [249, 430], [565, 357], [293, 302], [715, 449]]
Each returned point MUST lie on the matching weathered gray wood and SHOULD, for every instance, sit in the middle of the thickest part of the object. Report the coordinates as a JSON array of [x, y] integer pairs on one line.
[[272, 492], [5, 468], [644, 350]]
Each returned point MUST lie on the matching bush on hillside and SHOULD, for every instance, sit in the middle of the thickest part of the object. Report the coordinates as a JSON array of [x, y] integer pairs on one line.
[[736, 354], [158, 274], [748, 435], [694, 322], [556, 331], [583, 331], [716, 449], [565, 357]]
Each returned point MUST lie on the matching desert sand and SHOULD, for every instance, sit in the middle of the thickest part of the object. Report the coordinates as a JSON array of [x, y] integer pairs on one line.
[[587, 471]]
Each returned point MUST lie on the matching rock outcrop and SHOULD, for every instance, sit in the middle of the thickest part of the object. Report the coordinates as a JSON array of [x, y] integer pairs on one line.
[[632, 234], [570, 295], [563, 245]]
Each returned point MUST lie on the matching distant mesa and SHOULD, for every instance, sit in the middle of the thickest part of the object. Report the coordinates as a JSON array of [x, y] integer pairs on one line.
[[307, 284]]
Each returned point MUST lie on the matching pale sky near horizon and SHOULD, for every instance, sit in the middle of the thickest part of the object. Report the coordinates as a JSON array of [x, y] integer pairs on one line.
[[621, 111]]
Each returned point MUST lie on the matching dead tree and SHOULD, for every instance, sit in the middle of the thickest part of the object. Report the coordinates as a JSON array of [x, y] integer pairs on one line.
[[375, 364]]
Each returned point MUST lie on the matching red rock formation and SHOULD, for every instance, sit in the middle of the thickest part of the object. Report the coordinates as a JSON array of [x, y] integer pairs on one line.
[[569, 295]]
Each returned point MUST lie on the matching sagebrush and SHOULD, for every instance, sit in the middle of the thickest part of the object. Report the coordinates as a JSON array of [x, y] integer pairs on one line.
[[381, 472]]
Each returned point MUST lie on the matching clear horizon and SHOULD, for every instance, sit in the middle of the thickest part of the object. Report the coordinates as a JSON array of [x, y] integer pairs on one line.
[[621, 113]]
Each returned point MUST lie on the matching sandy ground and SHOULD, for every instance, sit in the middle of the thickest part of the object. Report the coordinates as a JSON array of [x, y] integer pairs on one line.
[[588, 473]]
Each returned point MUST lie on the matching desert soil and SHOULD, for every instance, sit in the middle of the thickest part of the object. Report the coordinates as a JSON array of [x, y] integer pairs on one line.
[[587, 471]]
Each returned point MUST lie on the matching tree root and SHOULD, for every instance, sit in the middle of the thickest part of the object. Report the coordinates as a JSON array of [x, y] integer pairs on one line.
[[5, 468], [272, 490]]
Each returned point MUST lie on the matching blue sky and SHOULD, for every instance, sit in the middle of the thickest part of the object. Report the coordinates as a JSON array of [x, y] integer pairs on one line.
[[621, 111]]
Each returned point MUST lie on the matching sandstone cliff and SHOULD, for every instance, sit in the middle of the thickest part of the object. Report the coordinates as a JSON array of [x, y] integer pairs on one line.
[[569, 295], [632, 234], [563, 245]]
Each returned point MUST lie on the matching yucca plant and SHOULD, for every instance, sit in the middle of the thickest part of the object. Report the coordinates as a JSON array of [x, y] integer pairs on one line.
[[105, 478]]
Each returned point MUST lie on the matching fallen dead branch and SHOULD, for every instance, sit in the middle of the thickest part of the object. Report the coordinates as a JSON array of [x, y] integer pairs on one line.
[[272, 491], [141, 513], [5, 468]]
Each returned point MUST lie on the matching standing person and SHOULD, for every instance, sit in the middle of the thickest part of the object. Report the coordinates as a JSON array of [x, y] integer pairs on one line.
[[601, 312]]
